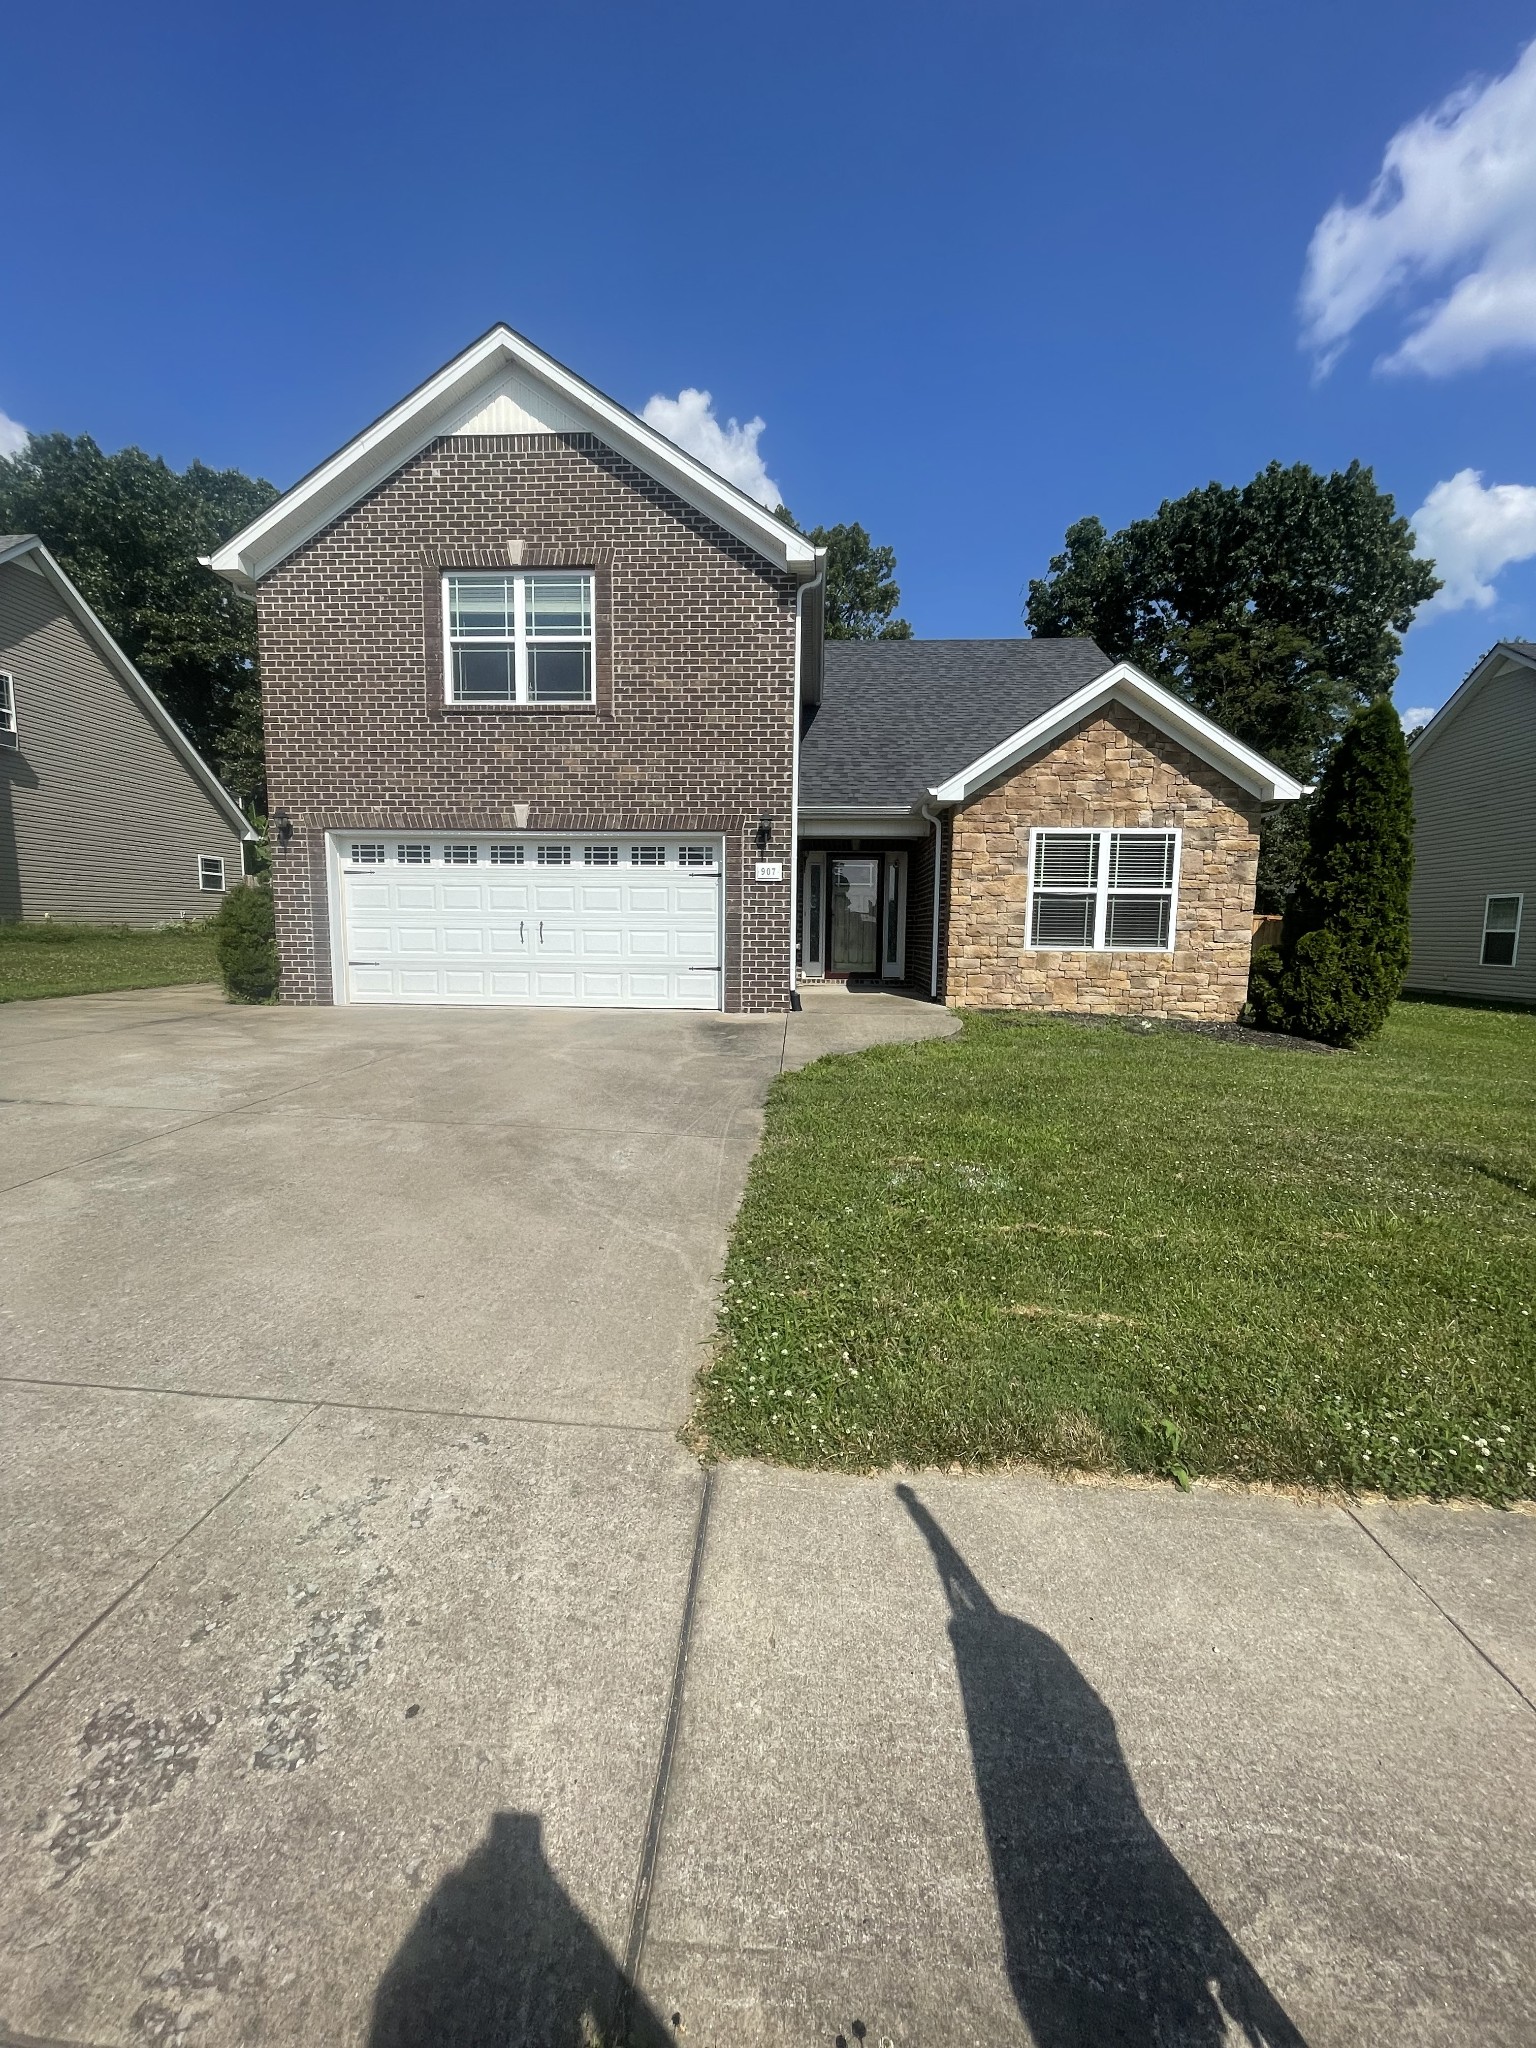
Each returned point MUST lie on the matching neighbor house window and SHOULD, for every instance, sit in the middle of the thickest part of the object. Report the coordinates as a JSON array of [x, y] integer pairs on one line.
[[1501, 930], [1103, 890], [519, 637], [210, 871], [7, 710]]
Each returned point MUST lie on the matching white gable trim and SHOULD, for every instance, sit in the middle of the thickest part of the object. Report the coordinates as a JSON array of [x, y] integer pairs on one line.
[[30, 553], [1494, 663], [1170, 714], [500, 376]]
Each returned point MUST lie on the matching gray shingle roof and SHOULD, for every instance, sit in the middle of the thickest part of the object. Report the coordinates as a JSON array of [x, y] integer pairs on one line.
[[898, 716]]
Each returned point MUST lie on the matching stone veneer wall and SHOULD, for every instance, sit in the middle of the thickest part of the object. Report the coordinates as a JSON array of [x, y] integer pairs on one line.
[[1114, 769]]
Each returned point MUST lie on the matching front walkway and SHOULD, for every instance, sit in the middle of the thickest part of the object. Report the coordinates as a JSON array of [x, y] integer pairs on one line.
[[376, 1666]]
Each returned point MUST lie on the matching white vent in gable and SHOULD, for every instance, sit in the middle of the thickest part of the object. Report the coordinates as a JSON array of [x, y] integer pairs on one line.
[[517, 404]]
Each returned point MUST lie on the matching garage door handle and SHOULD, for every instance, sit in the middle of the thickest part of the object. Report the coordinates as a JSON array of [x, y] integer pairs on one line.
[[541, 931], [522, 933]]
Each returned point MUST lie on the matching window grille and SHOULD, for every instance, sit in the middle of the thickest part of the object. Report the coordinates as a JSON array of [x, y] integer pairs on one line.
[[1103, 890]]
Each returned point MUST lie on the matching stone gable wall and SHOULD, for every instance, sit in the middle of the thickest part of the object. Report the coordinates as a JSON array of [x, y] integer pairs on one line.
[[1113, 769]]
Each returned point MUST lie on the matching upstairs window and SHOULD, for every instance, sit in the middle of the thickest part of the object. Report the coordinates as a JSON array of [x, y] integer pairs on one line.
[[1101, 891], [210, 871], [518, 637], [7, 710], [1501, 930]]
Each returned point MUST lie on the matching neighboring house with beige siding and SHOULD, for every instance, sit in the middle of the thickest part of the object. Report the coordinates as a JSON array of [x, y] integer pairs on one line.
[[1474, 800], [108, 815]]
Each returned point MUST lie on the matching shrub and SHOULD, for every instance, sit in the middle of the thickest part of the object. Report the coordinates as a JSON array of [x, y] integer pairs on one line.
[[1344, 944], [247, 944]]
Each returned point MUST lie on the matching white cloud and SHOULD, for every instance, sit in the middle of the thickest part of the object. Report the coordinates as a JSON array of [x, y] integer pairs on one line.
[[1473, 530], [730, 451], [1454, 202], [13, 435], [1420, 715]]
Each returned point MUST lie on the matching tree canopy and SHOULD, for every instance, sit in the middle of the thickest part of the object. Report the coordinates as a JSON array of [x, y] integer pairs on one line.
[[862, 591], [128, 530], [1275, 607]]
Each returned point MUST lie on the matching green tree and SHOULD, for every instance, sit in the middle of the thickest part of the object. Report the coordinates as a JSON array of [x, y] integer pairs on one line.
[[862, 591], [1274, 607], [128, 529], [1344, 945]]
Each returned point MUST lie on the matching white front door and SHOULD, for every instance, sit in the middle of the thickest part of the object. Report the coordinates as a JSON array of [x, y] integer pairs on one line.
[[623, 922]]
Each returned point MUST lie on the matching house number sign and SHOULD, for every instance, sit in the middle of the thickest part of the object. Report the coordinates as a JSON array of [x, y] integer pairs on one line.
[[770, 871]]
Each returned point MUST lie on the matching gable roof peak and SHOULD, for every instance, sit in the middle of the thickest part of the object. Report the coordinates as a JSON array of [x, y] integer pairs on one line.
[[501, 383]]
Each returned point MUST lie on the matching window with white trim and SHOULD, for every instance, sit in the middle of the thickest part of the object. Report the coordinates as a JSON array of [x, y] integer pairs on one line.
[[7, 710], [696, 856], [414, 854], [554, 856], [600, 856], [1101, 891], [518, 636], [367, 853], [647, 856], [210, 872], [461, 856], [506, 854], [1501, 930]]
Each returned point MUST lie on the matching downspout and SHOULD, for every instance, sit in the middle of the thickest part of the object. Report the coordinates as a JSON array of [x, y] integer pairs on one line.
[[815, 582], [937, 822]]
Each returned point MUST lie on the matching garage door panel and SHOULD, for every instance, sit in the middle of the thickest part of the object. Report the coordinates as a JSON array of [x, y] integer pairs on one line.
[[444, 933]]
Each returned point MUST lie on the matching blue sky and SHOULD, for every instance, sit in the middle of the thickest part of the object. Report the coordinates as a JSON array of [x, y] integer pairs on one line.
[[979, 269]]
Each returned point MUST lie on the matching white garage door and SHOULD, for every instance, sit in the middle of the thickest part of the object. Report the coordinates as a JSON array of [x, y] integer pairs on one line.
[[625, 922]]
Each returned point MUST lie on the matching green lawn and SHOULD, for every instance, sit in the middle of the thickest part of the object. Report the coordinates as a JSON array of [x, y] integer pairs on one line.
[[1117, 1249], [84, 959]]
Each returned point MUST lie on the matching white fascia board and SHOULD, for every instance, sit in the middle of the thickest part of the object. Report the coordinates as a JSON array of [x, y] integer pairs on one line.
[[1127, 685], [32, 548], [1493, 663], [430, 410], [861, 821]]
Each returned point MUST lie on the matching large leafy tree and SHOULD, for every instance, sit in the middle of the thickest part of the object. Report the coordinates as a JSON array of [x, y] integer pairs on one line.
[[1275, 606], [128, 529], [1345, 942], [862, 591]]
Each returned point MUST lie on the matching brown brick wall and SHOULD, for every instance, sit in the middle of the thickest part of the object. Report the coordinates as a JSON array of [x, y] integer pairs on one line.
[[1114, 769], [694, 666]]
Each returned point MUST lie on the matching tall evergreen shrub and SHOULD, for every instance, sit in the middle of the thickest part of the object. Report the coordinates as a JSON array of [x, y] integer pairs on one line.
[[246, 944], [1344, 945]]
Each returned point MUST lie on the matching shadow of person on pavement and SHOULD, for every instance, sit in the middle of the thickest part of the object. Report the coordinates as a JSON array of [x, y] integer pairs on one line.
[[502, 1957], [1107, 1939]]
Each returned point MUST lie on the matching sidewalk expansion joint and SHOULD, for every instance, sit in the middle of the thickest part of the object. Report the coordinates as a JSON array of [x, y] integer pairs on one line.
[[650, 1852], [151, 1568], [1418, 1585]]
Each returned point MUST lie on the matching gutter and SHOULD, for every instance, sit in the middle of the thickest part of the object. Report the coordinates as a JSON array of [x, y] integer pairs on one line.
[[937, 822], [813, 583]]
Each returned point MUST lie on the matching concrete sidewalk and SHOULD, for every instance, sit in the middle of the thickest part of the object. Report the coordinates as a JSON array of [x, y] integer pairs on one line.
[[376, 1667]]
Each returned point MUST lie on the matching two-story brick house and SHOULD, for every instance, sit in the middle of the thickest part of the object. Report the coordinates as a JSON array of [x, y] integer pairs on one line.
[[550, 721]]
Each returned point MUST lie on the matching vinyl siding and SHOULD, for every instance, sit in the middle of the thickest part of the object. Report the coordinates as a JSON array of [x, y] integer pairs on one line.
[[101, 820], [1474, 795]]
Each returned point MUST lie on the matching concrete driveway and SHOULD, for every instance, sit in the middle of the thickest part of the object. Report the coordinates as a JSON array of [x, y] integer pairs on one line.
[[375, 1666]]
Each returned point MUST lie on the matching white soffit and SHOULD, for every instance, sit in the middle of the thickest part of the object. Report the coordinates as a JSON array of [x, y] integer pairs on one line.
[[501, 376], [1127, 685]]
